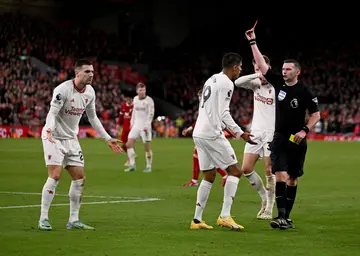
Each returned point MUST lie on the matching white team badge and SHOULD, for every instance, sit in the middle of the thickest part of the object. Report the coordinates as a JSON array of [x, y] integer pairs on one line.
[[294, 103], [281, 95]]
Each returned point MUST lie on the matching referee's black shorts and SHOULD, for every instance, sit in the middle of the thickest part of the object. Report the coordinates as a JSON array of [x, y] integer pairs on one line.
[[286, 156]]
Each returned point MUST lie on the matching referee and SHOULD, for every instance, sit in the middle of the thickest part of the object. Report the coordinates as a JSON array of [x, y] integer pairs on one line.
[[288, 148]]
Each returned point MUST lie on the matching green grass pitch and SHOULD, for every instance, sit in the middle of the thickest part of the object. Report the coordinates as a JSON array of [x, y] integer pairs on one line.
[[326, 212]]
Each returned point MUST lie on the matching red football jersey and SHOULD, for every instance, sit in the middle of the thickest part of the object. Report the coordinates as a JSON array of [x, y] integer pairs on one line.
[[125, 115]]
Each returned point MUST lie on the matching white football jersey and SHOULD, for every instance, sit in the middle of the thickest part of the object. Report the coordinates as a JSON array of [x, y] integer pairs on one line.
[[214, 108], [72, 104], [264, 102], [143, 112]]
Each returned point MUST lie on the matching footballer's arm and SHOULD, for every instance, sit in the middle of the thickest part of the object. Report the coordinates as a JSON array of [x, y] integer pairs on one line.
[[95, 121], [151, 112], [57, 102], [249, 81], [224, 108], [99, 128]]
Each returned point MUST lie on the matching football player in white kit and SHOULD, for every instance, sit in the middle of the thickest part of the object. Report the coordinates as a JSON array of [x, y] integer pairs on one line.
[[214, 150], [262, 127], [61, 146], [141, 119]]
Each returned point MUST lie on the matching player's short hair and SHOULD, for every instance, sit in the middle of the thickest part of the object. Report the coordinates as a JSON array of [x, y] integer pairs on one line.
[[231, 59], [81, 62], [266, 58], [295, 62], [140, 85]]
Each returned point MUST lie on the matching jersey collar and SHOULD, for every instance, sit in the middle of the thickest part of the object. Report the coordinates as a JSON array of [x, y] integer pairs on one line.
[[77, 89]]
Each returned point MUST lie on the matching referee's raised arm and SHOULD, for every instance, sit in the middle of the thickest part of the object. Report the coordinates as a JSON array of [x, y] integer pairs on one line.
[[258, 57], [271, 77]]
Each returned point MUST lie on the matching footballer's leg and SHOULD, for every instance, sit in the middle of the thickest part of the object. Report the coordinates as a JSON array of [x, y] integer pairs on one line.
[[54, 158], [248, 164], [133, 135], [296, 170], [223, 175], [203, 192], [124, 138], [146, 138], [47, 195], [270, 190], [148, 155], [230, 188], [224, 157], [291, 189], [279, 161], [75, 167], [196, 171], [75, 196], [201, 199]]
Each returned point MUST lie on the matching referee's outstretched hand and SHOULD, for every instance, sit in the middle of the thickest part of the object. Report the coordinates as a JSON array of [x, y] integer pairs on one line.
[[250, 34], [247, 137]]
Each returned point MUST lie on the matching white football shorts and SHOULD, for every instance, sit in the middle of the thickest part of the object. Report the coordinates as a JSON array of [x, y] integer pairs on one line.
[[63, 152], [216, 153], [262, 138], [136, 132]]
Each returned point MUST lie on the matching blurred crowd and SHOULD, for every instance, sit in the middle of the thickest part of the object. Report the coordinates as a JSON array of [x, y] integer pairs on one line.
[[333, 74]]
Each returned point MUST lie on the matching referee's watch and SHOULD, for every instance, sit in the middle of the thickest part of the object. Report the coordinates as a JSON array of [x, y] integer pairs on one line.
[[306, 129]]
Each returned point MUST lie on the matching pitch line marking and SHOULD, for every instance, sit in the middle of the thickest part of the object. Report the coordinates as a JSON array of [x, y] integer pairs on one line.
[[130, 200]]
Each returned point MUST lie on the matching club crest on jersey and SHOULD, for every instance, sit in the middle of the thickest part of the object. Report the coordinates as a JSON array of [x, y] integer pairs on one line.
[[294, 103], [281, 95], [315, 100], [270, 91]]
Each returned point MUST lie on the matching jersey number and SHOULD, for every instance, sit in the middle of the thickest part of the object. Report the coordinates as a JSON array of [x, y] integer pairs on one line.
[[206, 95]]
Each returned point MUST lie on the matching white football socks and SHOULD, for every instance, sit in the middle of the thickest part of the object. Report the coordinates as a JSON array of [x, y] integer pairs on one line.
[[202, 197], [131, 156], [148, 159], [230, 188], [48, 193], [75, 195], [256, 182], [270, 185]]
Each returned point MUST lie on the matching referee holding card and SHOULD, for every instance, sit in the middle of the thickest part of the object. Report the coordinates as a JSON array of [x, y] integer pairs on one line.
[[288, 148]]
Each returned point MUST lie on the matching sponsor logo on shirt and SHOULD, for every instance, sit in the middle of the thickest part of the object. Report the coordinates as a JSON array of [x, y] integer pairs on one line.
[[75, 111], [265, 100]]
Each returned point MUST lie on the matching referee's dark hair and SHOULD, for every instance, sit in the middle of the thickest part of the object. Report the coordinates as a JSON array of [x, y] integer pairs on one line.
[[231, 59], [295, 62]]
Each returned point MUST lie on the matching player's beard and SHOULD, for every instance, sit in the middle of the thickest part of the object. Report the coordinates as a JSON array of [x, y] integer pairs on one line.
[[88, 81]]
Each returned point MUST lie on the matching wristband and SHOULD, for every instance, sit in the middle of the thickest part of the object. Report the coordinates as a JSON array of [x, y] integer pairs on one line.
[[306, 129], [252, 41]]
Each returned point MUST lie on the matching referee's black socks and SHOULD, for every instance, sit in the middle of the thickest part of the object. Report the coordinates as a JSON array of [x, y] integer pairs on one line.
[[290, 199], [280, 193]]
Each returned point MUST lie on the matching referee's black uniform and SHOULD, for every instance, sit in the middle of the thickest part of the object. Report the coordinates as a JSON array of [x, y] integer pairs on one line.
[[292, 102]]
